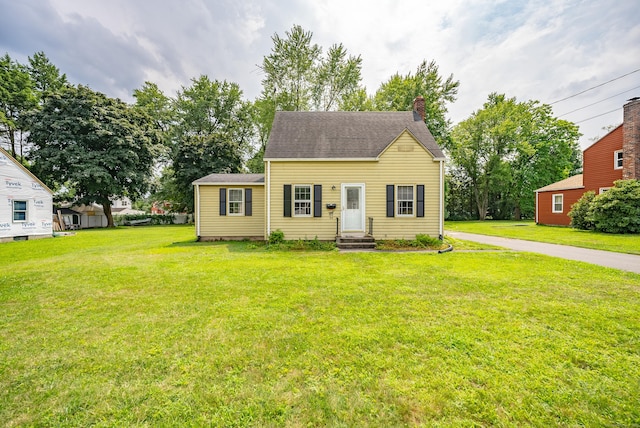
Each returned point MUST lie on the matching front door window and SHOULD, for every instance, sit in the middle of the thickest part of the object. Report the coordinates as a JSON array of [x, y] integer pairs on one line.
[[352, 208]]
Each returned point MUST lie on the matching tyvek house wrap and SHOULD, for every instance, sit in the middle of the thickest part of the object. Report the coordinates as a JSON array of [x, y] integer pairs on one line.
[[17, 184]]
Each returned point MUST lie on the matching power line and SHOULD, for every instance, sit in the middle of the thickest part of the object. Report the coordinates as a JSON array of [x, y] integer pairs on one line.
[[593, 117], [594, 87], [598, 102]]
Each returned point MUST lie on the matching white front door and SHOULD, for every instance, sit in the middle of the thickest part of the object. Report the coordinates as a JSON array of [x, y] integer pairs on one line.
[[353, 207]]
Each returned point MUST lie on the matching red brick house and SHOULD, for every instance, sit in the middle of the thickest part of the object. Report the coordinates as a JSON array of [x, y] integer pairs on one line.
[[614, 157]]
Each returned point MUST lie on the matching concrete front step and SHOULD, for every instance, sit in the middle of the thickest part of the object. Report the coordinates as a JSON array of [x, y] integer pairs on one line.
[[355, 242]]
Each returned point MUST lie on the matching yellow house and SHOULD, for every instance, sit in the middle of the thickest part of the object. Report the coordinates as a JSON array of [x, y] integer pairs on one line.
[[331, 175]]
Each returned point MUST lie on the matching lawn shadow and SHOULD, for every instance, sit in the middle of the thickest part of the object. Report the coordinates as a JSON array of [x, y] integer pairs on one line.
[[232, 246]]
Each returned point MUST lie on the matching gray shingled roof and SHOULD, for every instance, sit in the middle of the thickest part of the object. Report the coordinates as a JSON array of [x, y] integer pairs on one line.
[[231, 179], [329, 135]]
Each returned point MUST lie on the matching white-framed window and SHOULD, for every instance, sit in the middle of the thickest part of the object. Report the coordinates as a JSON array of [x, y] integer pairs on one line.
[[558, 203], [19, 211], [405, 202], [618, 155], [302, 200], [236, 201]]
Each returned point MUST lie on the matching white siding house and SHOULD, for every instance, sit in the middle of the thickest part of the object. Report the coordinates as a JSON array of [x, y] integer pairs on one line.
[[26, 203]]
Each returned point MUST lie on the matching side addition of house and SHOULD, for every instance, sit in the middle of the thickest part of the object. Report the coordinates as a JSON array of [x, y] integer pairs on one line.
[[332, 174], [616, 156], [25, 202]]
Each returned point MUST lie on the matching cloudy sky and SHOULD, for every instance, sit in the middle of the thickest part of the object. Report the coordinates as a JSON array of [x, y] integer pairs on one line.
[[529, 49]]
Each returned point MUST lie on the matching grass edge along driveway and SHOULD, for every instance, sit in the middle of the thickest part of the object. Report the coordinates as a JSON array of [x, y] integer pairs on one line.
[[144, 327], [528, 230]]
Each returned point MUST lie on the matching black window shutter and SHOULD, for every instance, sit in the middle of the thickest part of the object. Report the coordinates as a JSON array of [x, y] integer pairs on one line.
[[317, 200], [287, 200], [223, 201], [390, 198], [420, 200], [248, 202]]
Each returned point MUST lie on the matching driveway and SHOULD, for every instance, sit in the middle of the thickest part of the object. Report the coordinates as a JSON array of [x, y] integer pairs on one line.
[[628, 262]]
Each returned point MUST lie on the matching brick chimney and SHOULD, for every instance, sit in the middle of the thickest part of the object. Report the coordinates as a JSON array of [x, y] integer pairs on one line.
[[418, 106], [631, 140]]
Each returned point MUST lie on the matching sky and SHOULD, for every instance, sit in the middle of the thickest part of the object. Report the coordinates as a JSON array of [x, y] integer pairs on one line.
[[542, 50]]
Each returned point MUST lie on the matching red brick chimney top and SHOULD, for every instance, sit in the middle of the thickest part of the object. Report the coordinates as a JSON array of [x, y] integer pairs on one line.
[[631, 140], [419, 106]]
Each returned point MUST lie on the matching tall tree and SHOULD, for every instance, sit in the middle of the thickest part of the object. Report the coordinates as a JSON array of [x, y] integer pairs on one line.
[[547, 151], [298, 78], [508, 149], [17, 98], [213, 133], [98, 146], [159, 107], [156, 104], [290, 70], [46, 77], [337, 77], [398, 93]]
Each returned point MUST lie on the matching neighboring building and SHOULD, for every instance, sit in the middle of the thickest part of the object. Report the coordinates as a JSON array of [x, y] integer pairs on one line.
[[25, 202], [93, 215], [332, 174], [614, 157]]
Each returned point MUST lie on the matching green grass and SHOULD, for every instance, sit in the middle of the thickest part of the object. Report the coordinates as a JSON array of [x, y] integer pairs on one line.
[[144, 327], [530, 231]]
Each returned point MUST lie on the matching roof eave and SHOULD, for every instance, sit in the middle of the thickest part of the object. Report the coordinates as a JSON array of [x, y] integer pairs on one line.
[[367, 159], [196, 183]]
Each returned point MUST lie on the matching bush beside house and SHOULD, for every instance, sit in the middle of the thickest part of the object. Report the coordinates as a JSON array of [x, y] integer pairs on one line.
[[614, 211]]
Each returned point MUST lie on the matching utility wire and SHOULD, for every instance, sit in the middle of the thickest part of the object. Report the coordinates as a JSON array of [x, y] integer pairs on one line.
[[598, 102], [594, 87], [593, 117]]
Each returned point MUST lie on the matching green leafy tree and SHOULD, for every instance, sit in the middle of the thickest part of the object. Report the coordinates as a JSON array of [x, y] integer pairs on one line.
[[357, 100], [17, 99], [336, 77], [398, 93], [156, 104], [618, 209], [297, 77], [482, 144], [213, 133], [98, 146], [290, 70], [46, 77], [159, 107], [547, 150], [508, 149]]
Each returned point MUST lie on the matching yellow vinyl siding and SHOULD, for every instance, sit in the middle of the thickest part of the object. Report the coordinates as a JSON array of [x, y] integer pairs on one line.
[[404, 162], [214, 226]]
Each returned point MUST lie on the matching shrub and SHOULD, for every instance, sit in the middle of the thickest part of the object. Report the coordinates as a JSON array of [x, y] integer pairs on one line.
[[580, 210], [618, 209], [121, 219], [427, 241], [276, 237]]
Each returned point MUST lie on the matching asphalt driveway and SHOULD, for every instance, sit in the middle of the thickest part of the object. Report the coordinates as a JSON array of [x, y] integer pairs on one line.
[[628, 262]]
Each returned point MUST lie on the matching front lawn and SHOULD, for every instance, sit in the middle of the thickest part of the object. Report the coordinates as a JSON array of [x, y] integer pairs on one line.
[[530, 231], [144, 327]]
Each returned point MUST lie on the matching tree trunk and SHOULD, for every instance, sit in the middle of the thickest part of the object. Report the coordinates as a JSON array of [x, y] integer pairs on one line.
[[12, 140], [518, 213], [482, 202], [107, 212]]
